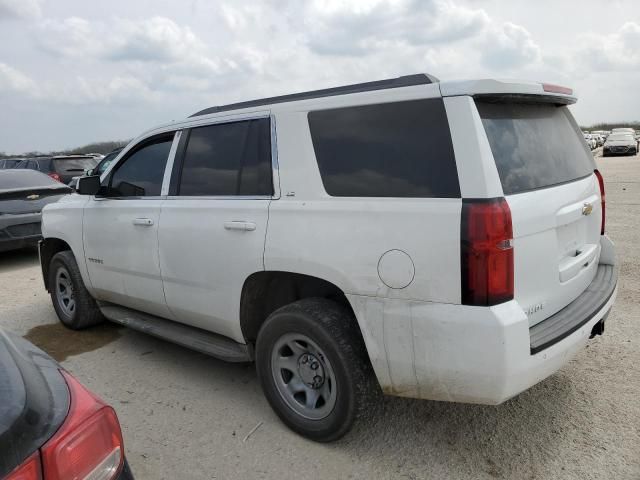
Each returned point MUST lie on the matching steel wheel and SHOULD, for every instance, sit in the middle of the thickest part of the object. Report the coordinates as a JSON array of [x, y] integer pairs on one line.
[[64, 292], [303, 376]]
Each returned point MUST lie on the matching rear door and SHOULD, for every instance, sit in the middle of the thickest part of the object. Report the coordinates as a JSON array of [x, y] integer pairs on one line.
[[547, 175], [213, 223]]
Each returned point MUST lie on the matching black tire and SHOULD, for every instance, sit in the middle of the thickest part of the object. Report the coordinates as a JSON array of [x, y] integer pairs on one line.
[[335, 332], [85, 312]]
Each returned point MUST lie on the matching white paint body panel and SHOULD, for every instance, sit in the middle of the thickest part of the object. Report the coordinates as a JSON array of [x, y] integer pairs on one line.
[[203, 276], [129, 272]]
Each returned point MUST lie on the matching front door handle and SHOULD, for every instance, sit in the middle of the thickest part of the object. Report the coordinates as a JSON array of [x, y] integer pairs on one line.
[[245, 226], [145, 222]]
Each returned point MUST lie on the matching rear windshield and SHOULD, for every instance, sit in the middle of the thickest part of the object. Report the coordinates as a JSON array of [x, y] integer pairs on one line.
[[10, 179], [534, 146], [74, 165]]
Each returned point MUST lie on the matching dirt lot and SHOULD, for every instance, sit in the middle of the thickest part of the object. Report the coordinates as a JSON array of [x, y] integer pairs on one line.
[[186, 415]]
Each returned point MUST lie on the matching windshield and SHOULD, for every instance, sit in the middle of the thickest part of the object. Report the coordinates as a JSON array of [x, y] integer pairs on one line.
[[105, 162], [621, 136], [534, 145]]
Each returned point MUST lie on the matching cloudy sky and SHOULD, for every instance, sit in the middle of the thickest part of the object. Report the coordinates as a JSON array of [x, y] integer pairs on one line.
[[77, 71]]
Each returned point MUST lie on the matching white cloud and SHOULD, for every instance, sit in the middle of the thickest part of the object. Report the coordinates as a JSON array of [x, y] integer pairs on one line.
[[509, 47], [616, 52], [12, 9], [345, 28], [14, 81]]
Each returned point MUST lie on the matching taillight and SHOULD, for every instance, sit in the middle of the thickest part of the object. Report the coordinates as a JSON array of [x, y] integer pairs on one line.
[[30, 469], [602, 202], [551, 88], [55, 176], [89, 444], [486, 242]]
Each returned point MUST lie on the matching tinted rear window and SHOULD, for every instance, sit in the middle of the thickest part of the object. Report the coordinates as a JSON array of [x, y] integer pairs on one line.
[[74, 165], [228, 159], [400, 149], [535, 146]]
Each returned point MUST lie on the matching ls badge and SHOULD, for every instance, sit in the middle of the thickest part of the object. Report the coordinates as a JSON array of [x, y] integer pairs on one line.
[[587, 208]]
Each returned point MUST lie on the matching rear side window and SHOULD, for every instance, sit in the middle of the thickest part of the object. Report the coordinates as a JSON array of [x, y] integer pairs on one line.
[[228, 159], [400, 149], [534, 146], [141, 173]]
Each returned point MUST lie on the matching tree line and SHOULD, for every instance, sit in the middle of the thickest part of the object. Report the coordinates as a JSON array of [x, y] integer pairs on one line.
[[96, 147]]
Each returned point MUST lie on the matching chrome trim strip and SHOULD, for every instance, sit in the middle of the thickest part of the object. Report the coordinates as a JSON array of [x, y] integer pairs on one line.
[[168, 169], [275, 166]]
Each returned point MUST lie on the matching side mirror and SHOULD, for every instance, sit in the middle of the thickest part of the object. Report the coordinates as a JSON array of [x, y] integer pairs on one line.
[[89, 172], [88, 185]]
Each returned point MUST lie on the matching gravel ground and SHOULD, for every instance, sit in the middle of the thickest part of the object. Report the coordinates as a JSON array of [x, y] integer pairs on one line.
[[185, 415]]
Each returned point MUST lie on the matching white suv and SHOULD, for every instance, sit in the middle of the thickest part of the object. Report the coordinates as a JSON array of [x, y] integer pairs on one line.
[[437, 240]]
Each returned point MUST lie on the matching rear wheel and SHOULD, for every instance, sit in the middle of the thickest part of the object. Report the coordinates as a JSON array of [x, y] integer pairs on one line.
[[314, 369], [73, 304]]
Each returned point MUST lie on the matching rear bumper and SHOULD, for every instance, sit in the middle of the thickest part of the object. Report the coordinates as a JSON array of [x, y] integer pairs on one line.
[[476, 354], [19, 231]]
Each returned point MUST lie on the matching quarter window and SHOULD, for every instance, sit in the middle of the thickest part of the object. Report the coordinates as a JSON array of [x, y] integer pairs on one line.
[[400, 149], [141, 173], [228, 159]]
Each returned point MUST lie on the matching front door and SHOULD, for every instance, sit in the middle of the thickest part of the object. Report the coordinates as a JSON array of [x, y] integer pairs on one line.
[[120, 230]]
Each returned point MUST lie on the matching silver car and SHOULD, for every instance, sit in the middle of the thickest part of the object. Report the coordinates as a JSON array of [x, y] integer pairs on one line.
[[620, 144]]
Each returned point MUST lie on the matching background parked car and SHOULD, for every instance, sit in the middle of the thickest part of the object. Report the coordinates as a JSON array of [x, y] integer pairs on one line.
[[590, 141], [60, 168], [620, 144], [52, 427], [100, 168], [23, 194], [9, 163]]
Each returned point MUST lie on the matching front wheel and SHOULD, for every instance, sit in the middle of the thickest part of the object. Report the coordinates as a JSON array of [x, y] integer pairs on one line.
[[73, 304], [314, 369]]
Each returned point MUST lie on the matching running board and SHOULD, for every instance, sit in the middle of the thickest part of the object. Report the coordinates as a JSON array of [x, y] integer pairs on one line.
[[194, 338]]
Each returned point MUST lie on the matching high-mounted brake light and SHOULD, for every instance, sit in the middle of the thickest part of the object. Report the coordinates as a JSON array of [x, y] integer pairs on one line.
[[55, 176], [602, 201], [486, 242], [30, 469], [551, 88], [88, 445]]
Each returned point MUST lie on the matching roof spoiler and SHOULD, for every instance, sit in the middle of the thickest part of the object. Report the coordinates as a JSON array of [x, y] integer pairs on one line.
[[510, 91]]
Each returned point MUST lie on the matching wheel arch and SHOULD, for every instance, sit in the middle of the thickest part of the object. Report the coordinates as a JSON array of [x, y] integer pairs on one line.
[[47, 248]]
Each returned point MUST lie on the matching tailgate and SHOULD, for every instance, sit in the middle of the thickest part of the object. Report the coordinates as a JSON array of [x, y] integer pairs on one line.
[[547, 176]]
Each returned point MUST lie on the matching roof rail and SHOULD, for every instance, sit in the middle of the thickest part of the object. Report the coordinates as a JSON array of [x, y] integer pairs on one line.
[[404, 81]]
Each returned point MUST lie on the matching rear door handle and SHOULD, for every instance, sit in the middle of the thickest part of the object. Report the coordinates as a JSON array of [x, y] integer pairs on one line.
[[245, 226], [145, 222]]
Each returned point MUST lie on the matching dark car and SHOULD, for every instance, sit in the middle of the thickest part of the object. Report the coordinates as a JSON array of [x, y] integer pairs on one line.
[[9, 162], [23, 194], [100, 168], [620, 144], [60, 168], [51, 426]]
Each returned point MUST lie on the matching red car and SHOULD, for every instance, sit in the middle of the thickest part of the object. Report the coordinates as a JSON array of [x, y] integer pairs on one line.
[[51, 426]]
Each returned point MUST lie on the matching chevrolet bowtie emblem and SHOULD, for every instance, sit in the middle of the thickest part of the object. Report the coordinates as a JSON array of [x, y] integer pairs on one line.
[[34, 196], [587, 208]]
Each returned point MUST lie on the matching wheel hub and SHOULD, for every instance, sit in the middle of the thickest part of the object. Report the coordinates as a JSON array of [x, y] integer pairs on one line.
[[310, 370]]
